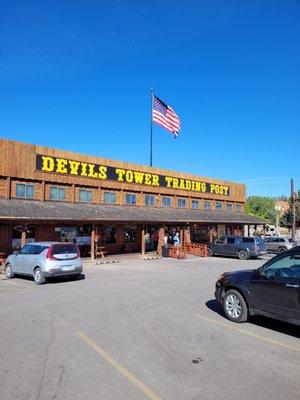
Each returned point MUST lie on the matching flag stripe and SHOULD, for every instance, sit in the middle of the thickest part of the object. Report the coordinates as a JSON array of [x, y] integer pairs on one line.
[[165, 116]]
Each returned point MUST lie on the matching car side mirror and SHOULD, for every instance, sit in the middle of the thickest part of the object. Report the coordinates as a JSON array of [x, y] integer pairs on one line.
[[16, 252], [261, 271]]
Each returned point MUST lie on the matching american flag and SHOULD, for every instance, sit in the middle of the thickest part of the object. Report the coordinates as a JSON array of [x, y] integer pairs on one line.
[[165, 116]]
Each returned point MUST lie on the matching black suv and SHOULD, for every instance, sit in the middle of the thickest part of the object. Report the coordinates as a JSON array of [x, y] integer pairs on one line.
[[237, 246], [272, 290]]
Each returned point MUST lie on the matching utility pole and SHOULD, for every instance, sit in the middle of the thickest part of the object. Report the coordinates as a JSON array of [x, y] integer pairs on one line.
[[293, 209]]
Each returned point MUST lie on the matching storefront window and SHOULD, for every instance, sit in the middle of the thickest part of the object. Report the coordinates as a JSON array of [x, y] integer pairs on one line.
[[85, 196], [229, 207], [16, 236], [130, 233], [109, 198], [207, 205], [57, 193], [218, 206], [149, 200], [166, 201], [130, 198], [25, 191], [200, 233], [108, 234], [195, 204], [181, 203]]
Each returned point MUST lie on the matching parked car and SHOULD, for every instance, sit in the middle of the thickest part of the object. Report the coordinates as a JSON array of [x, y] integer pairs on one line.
[[43, 260], [272, 290], [237, 246], [279, 244]]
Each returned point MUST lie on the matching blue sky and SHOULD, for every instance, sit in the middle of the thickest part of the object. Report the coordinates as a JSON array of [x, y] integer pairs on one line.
[[76, 75]]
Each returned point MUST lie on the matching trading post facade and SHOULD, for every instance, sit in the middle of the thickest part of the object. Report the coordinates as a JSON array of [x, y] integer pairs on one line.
[[49, 194]]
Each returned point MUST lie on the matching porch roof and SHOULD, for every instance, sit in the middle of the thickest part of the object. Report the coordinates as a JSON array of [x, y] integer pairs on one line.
[[31, 210]]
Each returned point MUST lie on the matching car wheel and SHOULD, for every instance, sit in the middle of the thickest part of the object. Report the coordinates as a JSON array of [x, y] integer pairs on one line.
[[282, 249], [38, 276], [8, 271], [235, 306], [243, 255], [209, 252]]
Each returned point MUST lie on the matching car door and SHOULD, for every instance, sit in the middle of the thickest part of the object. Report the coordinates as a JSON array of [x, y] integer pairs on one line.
[[231, 246], [32, 259], [271, 245], [218, 245], [276, 290], [21, 259]]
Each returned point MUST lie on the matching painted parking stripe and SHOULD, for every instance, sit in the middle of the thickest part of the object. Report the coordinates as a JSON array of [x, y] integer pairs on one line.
[[249, 333], [123, 371]]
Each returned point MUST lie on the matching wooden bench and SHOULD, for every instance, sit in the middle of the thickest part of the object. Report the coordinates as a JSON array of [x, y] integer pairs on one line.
[[100, 252]]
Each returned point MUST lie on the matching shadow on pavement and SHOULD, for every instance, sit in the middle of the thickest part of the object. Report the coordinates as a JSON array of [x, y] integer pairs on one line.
[[58, 279], [264, 322]]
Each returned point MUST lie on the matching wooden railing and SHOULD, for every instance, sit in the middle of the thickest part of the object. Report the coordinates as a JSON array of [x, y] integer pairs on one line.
[[177, 252], [196, 249]]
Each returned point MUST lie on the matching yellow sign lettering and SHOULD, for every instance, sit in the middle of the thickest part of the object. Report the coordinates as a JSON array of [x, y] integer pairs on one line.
[[47, 164], [138, 177], [155, 180], [129, 176], [120, 173], [102, 172], [74, 165], [148, 179], [92, 173], [168, 180], [61, 166], [83, 169]]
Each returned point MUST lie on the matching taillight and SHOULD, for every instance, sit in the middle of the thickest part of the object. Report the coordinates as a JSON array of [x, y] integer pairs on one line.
[[49, 254], [78, 251]]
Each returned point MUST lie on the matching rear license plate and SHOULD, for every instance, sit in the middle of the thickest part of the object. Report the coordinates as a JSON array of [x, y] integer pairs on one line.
[[67, 268]]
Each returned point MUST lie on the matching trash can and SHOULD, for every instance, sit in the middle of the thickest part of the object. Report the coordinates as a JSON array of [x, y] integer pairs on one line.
[[165, 251]]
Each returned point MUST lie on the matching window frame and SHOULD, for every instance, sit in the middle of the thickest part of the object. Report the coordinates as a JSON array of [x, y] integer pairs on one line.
[[207, 202], [58, 190], [148, 196], [109, 194], [195, 201], [85, 191], [163, 201], [132, 195], [219, 203], [25, 186], [238, 208], [229, 205], [181, 200]]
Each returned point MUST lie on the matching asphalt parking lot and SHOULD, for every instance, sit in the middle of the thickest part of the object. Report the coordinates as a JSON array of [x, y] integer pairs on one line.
[[140, 330]]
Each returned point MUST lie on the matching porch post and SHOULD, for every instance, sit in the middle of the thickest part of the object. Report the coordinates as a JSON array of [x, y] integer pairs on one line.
[[161, 234], [93, 244], [143, 241], [23, 237]]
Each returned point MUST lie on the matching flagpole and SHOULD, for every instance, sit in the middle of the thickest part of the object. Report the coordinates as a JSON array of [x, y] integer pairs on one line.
[[151, 128]]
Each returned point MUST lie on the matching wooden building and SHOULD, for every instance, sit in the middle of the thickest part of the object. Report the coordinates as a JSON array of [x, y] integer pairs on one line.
[[49, 194]]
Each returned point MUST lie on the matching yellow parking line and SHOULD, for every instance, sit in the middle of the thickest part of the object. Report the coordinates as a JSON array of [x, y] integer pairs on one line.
[[297, 349], [128, 375]]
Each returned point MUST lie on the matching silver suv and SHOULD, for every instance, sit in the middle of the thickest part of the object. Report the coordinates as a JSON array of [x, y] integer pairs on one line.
[[279, 244], [44, 260]]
